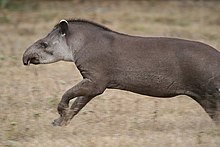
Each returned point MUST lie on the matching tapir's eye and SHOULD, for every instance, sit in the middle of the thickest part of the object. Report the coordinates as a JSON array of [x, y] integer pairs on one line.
[[44, 44]]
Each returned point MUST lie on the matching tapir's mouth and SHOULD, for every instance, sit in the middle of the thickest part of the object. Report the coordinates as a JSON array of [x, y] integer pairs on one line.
[[33, 60]]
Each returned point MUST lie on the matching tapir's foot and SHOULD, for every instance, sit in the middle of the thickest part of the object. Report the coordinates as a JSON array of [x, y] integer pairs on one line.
[[63, 120], [58, 121]]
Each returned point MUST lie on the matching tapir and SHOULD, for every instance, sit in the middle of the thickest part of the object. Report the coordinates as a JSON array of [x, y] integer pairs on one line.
[[153, 66]]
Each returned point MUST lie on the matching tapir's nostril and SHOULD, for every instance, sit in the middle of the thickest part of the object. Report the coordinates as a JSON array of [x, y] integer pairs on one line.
[[26, 61]]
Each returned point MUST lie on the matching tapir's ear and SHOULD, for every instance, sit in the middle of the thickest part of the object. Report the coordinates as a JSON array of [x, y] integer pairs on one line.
[[63, 27]]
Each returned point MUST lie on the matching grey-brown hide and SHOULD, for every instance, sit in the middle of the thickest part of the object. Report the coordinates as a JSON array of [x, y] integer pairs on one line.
[[153, 66]]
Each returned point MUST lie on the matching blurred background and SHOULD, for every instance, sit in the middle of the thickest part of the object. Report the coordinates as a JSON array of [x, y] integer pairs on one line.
[[29, 95]]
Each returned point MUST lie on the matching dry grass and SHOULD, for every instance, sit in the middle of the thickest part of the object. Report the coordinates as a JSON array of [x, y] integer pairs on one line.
[[29, 95]]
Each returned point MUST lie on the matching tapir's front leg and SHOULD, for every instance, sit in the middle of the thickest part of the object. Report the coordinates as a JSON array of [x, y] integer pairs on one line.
[[85, 91], [78, 104]]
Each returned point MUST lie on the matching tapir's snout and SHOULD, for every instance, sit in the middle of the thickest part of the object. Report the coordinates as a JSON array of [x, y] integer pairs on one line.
[[26, 60], [30, 58]]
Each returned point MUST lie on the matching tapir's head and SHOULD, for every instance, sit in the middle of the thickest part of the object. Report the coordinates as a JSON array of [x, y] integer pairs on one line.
[[52, 48]]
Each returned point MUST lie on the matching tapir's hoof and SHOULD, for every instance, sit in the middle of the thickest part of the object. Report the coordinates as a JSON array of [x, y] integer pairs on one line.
[[61, 121], [58, 122]]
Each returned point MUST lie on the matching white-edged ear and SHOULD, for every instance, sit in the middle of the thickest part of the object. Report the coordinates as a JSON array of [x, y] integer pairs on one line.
[[63, 20], [63, 27]]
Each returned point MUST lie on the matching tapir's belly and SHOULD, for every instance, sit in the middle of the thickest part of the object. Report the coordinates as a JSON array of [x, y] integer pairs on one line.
[[158, 85]]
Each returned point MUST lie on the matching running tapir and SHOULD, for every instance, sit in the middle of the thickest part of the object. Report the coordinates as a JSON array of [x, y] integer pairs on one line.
[[153, 66]]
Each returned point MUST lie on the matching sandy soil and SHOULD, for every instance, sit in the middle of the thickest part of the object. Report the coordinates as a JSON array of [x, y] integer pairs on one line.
[[29, 95]]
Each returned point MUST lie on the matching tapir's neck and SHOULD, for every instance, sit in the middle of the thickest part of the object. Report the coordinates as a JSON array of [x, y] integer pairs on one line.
[[75, 45], [66, 52], [69, 58], [68, 55]]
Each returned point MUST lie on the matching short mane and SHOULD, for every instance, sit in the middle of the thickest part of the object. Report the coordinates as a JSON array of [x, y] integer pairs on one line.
[[86, 22], [89, 22]]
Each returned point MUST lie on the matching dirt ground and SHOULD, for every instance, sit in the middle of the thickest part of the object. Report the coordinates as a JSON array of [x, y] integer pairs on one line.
[[29, 95]]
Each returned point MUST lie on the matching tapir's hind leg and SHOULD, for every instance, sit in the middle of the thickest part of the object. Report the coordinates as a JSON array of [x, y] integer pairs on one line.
[[211, 104]]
